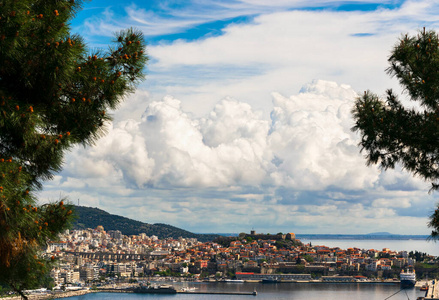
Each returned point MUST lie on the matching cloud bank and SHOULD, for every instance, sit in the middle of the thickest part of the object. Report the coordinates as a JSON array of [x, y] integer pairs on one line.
[[301, 168], [303, 146]]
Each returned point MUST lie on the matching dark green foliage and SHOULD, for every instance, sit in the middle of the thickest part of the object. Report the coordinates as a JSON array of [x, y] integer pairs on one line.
[[279, 242], [89, 217], [308, 258], [287, 244], [249, 239], [384, 255], [54, 94], [419, 256], [425, 271], [225, 240], [434, 223], [393, 134]]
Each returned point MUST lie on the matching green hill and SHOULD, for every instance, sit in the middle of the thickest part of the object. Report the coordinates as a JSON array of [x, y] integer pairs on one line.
[[89, 217]]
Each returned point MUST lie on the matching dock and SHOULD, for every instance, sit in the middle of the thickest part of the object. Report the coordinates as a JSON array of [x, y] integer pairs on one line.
[[113, 290], [433, 290], [218, 293], [109, 290]]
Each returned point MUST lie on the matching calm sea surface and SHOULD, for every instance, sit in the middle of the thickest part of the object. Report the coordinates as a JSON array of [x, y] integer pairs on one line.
[[428, 247], [300, 291]]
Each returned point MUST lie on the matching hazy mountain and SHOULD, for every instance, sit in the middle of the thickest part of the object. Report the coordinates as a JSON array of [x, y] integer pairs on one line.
[[381, 233]]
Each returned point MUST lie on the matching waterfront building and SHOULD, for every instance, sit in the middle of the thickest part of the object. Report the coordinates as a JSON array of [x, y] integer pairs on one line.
[[259, 277], [88, 273], [338, 279]]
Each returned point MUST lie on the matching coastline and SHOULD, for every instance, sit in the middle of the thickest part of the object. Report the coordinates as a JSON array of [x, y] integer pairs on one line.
[[56, 295]]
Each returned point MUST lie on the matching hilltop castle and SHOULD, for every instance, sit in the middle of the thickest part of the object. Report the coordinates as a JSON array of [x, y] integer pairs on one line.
[[289, 236]]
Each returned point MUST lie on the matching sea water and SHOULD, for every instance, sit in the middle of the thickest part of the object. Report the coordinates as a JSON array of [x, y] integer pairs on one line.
[[424, 246]]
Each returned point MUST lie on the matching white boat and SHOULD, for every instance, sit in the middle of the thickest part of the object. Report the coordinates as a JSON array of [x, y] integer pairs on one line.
[[234, 281], [408, 278], [189, 289]]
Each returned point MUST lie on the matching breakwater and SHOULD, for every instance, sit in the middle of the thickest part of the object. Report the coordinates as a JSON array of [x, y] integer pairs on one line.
[[67, 294], [55, 295], [219, 293]]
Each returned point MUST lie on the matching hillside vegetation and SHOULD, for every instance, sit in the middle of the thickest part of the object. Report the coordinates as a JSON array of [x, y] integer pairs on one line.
[[89, 217]]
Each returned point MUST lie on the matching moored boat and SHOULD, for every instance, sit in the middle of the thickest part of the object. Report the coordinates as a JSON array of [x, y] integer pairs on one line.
[[161, 289], [270, 280], [188, 289], [234, 281], [408, 278]]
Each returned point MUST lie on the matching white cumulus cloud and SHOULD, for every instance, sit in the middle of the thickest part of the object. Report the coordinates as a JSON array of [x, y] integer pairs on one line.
[[307, 145], [300, 169]]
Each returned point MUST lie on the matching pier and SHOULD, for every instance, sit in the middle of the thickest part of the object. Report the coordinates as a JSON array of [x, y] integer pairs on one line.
[[433, 290], [109, 290], [184, 292], [218, 293]]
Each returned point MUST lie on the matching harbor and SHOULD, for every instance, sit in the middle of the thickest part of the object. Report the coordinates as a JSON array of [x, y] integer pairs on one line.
[[238, 289], [242, 291]]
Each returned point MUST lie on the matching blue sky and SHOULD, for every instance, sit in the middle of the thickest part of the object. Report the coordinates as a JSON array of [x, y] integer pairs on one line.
[[243, 121], [204, 18]]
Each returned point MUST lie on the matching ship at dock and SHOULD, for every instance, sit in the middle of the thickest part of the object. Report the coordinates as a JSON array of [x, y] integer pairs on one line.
[[270, 280], [161, 289], [234, 281], [408, 278]]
